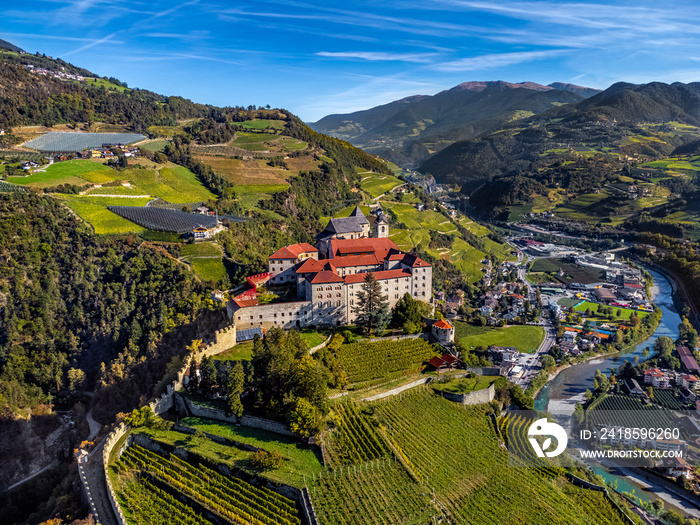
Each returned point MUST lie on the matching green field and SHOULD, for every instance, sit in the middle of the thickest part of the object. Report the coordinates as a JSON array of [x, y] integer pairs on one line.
[[526, 338], [464, 385], [313, 338], [241, 352], [292, 472], [573, 273], [263, 123], [376, 184], [79, 172], [93, 210], [299, 458], [156, 145], [626, 312], [200, 249], [209, 269]]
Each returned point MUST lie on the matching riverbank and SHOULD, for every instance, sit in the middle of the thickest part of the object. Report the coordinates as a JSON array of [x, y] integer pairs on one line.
[[568, 383]]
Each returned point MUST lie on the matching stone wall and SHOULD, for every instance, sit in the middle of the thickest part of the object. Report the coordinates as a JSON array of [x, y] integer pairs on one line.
[[288, 315], [478, 397], [322, 345], [247, 421], [485, 371], [110, 441]]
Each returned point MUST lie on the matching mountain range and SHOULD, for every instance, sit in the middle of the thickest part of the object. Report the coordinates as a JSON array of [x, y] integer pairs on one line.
[[649, 120], [409, 130]]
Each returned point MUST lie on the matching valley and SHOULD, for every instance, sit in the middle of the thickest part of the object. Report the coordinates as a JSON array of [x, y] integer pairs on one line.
[[224, 315]]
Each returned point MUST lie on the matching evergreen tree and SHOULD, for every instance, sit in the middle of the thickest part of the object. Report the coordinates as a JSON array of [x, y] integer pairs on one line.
[[372, 307], [235, 386], [207, 369]]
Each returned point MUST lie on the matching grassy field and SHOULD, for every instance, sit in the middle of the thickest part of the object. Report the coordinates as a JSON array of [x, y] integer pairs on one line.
[[376, 184], [93, 210], [241, 352], [155, 145], [170, 182], [625, 312], [263, 123], [297, 455], [209, 269], [79, 172], [313, 338], [200, 249], [431, 432], [464, 385], [295, 467], [526, 338]]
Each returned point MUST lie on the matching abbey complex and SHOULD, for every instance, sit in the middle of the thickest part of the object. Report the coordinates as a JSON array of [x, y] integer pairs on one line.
[[324, 280]]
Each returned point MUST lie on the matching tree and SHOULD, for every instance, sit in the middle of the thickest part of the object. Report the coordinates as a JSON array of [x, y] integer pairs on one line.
[[303, 420], [372, 307], [589, 312], [76, 378], [235, 386], [688, 333], [548, 362], [207, 370], [408, 314], [618, 313]]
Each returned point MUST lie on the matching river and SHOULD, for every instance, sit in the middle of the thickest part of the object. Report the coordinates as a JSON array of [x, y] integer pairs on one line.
[[562, 393]]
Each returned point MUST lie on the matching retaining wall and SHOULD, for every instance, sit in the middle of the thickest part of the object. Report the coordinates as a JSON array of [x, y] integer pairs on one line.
[[110, 441], [485, 371], [247, 421], [479, 397]]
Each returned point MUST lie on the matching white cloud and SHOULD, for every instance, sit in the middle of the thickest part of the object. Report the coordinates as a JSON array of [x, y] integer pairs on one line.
[[379, 56], [496, 60]]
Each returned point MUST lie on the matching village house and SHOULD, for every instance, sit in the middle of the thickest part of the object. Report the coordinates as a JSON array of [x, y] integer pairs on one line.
[[656, 378]]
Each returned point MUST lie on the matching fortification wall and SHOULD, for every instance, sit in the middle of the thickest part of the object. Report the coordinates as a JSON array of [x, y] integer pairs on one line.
[[110, 441], [280, 315], [478, 397]]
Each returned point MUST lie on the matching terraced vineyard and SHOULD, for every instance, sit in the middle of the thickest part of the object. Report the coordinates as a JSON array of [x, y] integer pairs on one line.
[[377, 493], [231, 499], [513, 429], [355, 440], [455, 452], [365, 362], [144, 502]]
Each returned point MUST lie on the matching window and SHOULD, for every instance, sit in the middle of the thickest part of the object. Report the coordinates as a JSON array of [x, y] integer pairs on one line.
[[282, 314], [275, 316], [260, 317], [329, 295], [337, 295], [251, 317]]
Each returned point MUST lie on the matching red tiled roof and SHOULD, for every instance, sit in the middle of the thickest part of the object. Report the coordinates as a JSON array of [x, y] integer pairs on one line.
[[325, 276], [379, 276], [450, 359], [246, 302], [379, 247], [355, 260], [445, 325], [633, 285], [311, 266], [293, 251], [437, 362]]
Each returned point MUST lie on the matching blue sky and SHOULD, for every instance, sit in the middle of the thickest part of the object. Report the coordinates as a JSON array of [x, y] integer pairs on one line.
[[315, 59]]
